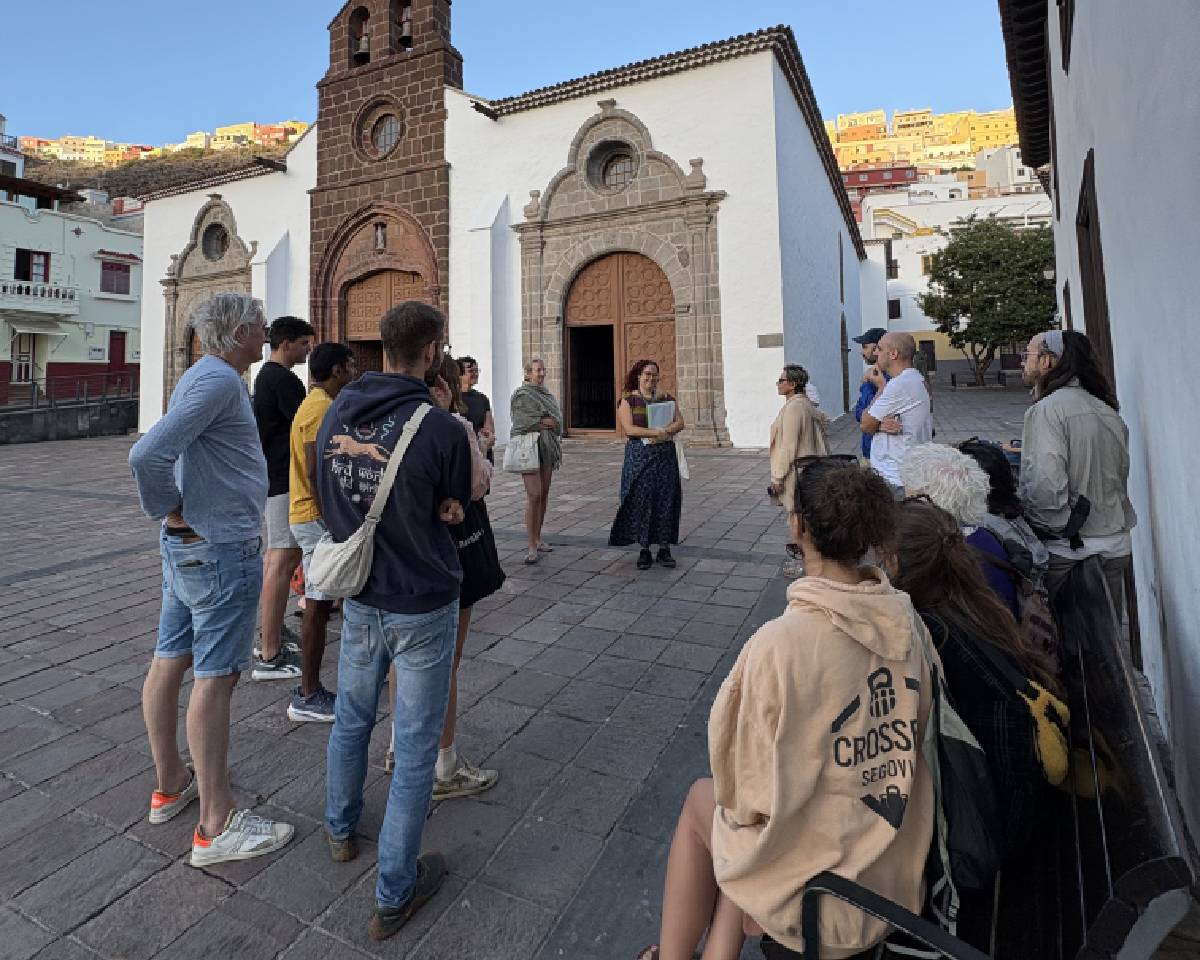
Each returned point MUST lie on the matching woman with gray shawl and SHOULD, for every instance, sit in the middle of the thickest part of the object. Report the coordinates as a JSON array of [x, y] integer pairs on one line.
[[534, 410]]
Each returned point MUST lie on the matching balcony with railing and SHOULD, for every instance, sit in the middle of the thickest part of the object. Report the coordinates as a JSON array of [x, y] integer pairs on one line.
[[12, 143], [32, 296]]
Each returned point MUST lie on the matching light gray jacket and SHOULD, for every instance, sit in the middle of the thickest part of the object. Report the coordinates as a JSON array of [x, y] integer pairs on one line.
[[1074, 444]]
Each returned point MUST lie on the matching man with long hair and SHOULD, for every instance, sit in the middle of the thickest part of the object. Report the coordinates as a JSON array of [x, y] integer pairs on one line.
[[1074, 445]]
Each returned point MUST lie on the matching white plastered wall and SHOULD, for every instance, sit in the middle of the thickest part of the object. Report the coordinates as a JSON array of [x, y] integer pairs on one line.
[[723, 113], [1134, 85], [271, 209], [810, 225]]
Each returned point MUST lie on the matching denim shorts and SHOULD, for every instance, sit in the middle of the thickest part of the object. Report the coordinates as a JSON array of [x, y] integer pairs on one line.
[[308, 535], [210, 603]]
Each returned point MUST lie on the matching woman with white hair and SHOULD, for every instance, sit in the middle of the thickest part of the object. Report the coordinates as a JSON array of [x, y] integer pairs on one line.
[[955, 482], [535, 411]]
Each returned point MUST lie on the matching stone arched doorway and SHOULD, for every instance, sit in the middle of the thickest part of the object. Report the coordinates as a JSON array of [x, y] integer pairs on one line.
[[619, 309], [364, 304]]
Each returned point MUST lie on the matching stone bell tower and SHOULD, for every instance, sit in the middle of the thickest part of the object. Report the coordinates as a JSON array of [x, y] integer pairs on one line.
[[381, 207]]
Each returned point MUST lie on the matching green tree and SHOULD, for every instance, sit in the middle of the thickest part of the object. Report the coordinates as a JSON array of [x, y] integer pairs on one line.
[[987, 288]]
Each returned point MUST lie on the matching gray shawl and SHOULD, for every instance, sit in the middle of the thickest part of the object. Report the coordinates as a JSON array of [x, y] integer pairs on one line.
[[530, 402]]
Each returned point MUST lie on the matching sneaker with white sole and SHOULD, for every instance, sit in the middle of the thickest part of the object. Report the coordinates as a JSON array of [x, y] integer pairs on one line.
[[318, 707], [285, 666], [466, 781], [246, 836], [165, 806]]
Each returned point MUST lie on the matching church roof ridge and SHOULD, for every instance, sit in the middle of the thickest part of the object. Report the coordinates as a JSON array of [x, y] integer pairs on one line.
[[688, 59], [778, 39]]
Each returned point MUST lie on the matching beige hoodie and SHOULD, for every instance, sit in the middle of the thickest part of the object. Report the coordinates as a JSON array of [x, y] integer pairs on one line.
[[815, 746]]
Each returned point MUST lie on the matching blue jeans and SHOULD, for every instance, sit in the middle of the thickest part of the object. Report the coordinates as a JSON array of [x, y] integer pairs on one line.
[[422, 647], [209, 603]]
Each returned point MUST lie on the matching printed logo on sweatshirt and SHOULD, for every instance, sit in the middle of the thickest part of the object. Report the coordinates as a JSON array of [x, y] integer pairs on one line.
[[885, 750], [359, 459]]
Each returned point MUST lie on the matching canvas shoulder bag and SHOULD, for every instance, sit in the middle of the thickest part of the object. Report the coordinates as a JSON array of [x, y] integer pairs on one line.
[[342, 569]]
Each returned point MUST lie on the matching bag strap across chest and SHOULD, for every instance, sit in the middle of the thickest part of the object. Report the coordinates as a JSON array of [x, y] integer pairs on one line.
[[393, 465]]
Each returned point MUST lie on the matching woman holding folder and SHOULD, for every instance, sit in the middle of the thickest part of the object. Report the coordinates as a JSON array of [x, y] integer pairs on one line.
[[651, 492]]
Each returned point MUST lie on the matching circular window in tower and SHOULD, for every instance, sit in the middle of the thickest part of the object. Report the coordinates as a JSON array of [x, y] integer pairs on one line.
[[214, 241], [385, 134]]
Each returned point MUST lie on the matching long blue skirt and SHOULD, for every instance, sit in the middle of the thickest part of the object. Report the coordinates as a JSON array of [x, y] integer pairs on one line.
[[651, 496]]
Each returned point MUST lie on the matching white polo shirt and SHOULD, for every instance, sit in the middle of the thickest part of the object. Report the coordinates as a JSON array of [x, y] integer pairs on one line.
[[906, 397]]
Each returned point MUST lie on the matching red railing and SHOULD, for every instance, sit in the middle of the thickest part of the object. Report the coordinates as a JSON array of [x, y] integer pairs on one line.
[[85, 388]]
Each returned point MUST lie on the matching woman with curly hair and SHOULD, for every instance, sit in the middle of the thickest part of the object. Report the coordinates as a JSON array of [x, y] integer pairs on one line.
[[651, 492], [791, 795]]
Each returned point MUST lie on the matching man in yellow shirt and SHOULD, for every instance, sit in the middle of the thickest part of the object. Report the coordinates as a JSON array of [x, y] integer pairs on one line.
[[331, 366]]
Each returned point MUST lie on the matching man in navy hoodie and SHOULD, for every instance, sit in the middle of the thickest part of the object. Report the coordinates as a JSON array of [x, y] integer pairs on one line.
[[407, 613]]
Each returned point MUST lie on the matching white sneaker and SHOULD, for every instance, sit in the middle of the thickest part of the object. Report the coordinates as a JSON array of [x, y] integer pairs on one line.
[[165, 806], [246, 836], [466, 781]]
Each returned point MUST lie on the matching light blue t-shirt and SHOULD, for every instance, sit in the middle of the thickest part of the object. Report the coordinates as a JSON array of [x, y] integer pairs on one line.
[[205, 454]]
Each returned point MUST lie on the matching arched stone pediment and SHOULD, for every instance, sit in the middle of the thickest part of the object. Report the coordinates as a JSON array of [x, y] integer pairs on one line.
[[579, 188], [214, 260]]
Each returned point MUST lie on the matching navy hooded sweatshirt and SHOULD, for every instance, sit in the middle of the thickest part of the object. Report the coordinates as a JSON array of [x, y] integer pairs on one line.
[[416, 566]]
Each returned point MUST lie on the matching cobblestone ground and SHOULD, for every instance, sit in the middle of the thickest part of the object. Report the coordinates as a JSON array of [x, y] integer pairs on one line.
[[585, 683]]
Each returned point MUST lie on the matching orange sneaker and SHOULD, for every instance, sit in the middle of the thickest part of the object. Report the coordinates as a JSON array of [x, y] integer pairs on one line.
[[164, 806]]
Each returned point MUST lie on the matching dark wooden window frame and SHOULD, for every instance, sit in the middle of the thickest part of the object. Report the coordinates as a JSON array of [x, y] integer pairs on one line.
[[1092, 285], [114, 277], [1066, 26]]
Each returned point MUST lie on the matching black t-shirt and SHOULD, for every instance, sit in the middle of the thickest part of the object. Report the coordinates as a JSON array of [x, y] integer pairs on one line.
[[478, 406], [278, 394]]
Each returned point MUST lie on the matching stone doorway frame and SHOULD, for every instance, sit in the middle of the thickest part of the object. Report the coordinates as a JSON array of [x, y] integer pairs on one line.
[[193, 277], [359, 249], [661, 213]]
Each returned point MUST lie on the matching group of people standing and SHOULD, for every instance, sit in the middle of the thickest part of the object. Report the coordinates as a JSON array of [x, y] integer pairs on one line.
[[223, 472], [912, 566], [918, 558]]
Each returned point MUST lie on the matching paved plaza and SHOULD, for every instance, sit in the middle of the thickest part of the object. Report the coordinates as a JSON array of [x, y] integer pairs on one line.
[[585, 683]]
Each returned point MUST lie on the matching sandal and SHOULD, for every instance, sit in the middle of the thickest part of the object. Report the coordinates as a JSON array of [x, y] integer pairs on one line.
[[649, 953], [544, 547], [532, 557]]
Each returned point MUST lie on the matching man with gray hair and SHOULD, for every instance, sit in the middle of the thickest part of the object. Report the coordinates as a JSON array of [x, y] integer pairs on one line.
[[200, 471], [900, 417]]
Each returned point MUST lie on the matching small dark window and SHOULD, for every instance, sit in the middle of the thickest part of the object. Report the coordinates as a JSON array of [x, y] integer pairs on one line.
[[7, 168], [114, 277], [32, 265], [386, 134], [215, 241], [926, 264], [894, 309], [619, 171]]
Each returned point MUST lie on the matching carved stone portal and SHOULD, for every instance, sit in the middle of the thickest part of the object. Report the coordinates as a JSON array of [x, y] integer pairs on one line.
[[215, 260]]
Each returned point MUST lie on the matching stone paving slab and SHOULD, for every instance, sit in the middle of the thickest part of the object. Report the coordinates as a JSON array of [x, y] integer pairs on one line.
[[585, 682]]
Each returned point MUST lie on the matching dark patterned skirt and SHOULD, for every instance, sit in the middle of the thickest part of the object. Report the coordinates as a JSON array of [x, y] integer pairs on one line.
[[651, 496]]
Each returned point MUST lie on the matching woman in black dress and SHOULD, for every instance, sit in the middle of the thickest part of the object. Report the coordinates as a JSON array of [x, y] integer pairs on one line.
[[651, 492]]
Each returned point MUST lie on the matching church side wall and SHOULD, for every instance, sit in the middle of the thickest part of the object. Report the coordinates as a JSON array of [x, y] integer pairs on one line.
[[810, 223], [267, 209], [721, 113], [1147, 208]]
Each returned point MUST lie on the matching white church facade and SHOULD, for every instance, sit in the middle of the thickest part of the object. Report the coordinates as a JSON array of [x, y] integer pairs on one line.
[[687, 208]]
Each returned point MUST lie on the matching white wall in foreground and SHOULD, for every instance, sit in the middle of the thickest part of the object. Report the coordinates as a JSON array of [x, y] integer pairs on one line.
[[1134, 85]]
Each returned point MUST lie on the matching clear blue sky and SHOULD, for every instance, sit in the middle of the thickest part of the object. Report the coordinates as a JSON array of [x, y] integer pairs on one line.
[[153, 70]]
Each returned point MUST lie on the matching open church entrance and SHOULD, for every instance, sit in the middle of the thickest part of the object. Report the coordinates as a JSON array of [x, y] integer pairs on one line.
[[620, 309]]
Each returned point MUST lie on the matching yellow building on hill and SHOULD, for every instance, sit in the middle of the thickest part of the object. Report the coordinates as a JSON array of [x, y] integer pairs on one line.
[[869, 118], [919, 137], [996, 128]]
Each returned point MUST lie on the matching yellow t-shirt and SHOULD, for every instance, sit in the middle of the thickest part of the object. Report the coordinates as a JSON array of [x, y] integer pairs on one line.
[[302, 507]]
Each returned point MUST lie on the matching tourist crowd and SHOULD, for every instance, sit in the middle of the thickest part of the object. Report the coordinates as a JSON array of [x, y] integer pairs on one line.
[[921, 578]]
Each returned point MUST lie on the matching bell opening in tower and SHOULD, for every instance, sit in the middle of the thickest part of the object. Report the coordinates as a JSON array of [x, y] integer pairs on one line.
[[591, 387]]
